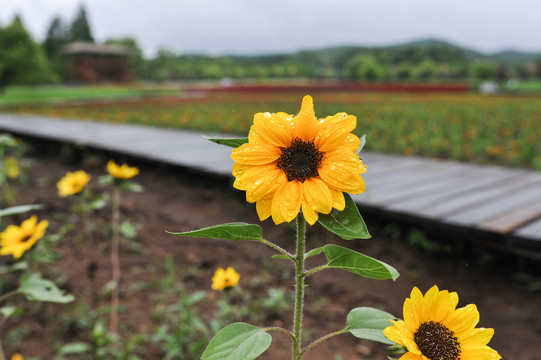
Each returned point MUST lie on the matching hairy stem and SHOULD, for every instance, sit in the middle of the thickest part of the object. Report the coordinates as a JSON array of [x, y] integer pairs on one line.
[[328, 336], [115, 263], [299, 287]]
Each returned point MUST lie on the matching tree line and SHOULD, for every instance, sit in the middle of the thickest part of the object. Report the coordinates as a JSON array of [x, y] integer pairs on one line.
[[24, 61]]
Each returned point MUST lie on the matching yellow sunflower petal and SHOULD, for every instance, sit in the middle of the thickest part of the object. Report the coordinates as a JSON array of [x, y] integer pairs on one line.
[[333, 130], [257, 181], [255, 154], [478, 352], [479, 336], [438, 304], [263, 208], [338, 200], [463, 319], [411, 356], [317, 195], [413, 310], [306, 125], [273, 128], [342, 171], [286, 202], [310, 215]]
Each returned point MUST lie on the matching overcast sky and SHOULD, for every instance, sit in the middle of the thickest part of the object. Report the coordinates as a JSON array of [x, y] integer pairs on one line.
[[269, 26]]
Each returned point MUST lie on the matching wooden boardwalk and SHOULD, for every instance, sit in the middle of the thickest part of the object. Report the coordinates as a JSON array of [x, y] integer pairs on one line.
[[482, 200]]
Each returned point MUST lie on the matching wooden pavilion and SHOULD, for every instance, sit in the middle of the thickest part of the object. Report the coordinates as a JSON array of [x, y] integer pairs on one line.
[[93, 63]]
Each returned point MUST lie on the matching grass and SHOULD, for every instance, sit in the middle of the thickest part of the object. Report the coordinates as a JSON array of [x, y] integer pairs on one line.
[[51, 94], [489, 129]]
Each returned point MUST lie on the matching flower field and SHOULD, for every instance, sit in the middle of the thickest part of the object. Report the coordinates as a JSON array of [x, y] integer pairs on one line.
[[495, 129]]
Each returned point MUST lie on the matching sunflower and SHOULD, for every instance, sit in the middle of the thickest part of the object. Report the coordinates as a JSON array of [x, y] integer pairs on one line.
[[121, 171], [16, 240], [434, 329], [299, 163], [223, 279], [72, 183]]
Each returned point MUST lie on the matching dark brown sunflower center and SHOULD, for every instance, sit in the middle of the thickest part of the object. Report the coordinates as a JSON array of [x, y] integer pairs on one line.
[[300, 160], [437, 342], [25, 238]]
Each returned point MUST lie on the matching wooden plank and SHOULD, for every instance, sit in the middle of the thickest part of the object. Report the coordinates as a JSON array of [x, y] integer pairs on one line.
[[427, 199], [410, 187], [497, 206], [468, 199], [514, 219], [530, 231]]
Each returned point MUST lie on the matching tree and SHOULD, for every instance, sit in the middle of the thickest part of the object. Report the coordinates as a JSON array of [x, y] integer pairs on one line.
[[136, 55], [483, 69], [80, 29], [22, 61], [427, 69], [364, 67], [57, 36]]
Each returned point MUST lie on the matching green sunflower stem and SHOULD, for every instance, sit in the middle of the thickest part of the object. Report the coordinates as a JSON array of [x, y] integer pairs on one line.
[[299, 287], [115, 263], [2, 356]]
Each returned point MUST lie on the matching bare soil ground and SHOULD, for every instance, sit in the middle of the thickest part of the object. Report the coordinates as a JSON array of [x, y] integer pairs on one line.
[[179, 200]]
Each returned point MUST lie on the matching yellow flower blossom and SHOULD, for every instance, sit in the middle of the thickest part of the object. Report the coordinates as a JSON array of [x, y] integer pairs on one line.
[[17, 356], [223, 279], [16, 240], [13, 170], [299, 163], [434, 329], [121, 171], [72, 183]]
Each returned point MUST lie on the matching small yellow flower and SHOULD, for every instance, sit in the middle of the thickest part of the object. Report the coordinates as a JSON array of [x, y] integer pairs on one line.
[[72, 183], [433, 329], [13, 170], [121, 171], [223, 279], [16, 240], [17, 356], [299, 163]]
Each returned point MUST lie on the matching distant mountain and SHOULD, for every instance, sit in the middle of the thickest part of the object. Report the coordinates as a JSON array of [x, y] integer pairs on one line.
[[414, 52], [512, 57]]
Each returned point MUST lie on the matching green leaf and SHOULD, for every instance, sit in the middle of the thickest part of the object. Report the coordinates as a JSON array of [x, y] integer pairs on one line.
[[237, 231], [128, 230], [231, 142], [74, 348], [35, 288], [313, 252], [348, 223], [368, 323], [237, 341], [19, 209], [352, 261], [127, 185], [362, 143], [7, 311]]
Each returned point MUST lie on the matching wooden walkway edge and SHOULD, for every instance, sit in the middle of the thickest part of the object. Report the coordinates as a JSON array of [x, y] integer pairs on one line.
[[504, 202]]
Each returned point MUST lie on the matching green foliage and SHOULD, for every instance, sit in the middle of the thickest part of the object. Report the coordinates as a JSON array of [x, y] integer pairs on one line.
[[182, 334], [483, 70], [79, 28], [231, 142], [368, 323], [233, 231], [348, 224], [22, 61], [238, 341], [352, 261], [35, 288], [364, 67]]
